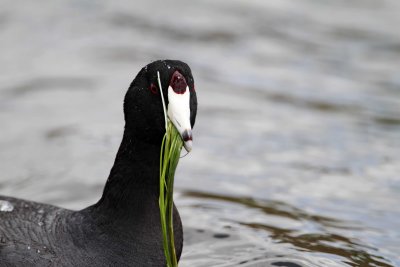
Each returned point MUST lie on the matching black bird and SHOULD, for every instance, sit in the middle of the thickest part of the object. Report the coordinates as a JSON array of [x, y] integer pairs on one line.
[[123, 227]]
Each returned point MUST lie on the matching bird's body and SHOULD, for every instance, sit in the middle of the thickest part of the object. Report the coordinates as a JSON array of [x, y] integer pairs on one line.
[[123, 228], [34, 232]]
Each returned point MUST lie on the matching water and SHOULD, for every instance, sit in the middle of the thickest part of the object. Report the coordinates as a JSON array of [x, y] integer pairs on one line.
[[296, 148], [6, 206]]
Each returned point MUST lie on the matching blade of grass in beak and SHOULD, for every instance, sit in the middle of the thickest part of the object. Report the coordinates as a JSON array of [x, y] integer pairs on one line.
[[169, 157]]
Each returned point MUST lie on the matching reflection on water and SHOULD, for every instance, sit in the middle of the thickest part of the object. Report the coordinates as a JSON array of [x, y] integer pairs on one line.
[[351, 251], [296, 146], [276, 208]]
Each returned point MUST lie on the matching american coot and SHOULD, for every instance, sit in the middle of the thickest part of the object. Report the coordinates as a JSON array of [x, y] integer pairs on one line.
[[123, 227]]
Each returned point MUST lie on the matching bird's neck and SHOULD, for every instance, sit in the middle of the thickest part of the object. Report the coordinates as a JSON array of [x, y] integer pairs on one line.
[[128, 211], [132, 187]]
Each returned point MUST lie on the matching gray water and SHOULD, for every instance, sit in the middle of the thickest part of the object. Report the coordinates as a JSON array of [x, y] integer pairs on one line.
[[296, 153]]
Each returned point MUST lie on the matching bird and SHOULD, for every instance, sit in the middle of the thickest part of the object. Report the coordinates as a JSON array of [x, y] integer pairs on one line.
[[123, 228]]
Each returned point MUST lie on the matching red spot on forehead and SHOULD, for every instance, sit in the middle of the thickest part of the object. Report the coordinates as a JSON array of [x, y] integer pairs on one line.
[[178, 83]]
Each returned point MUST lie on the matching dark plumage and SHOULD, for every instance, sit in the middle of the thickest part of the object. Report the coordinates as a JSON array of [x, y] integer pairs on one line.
[[123, 227]]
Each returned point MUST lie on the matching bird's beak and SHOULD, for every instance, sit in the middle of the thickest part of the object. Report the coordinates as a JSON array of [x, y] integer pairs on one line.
[[179, 109]]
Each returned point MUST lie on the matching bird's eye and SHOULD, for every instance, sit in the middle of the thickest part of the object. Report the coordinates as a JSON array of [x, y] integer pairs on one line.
[[153, 88], [191, 85], [192, 88]]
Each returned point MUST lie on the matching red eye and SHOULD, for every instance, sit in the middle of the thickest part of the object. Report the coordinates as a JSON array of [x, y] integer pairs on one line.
[[153, 88]]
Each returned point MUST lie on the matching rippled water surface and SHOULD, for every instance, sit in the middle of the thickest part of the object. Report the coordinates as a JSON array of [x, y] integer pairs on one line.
[[296, 158]]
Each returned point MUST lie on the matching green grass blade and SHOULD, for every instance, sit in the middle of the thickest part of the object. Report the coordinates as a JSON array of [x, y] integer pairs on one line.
[[169, 157]]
